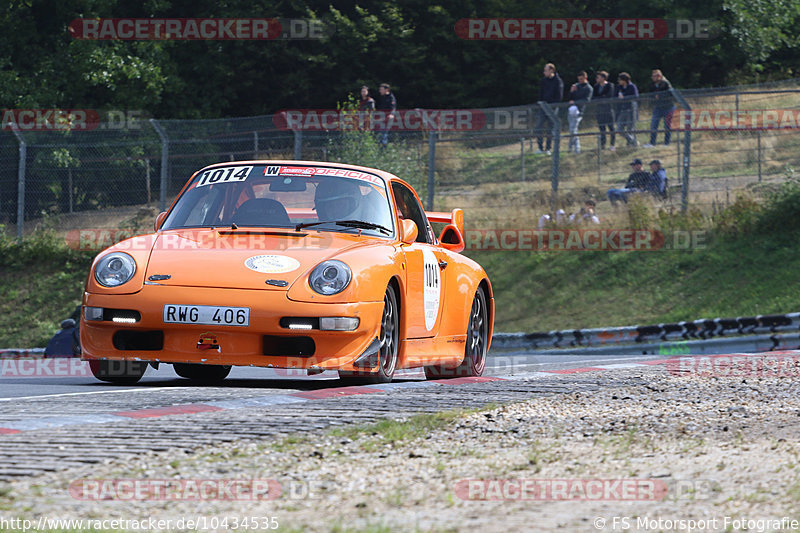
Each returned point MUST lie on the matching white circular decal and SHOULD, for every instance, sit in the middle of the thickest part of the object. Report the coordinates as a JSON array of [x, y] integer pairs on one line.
[[433, 288], [271, 264]]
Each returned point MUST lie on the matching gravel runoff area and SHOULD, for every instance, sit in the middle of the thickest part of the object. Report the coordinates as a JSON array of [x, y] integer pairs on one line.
[[659, 452]]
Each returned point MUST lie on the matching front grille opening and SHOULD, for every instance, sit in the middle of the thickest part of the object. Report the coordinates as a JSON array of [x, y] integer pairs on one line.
[[288, 346], [138, 340]]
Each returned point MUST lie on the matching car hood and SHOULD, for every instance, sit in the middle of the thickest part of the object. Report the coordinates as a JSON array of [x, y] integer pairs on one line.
[[243, 259]]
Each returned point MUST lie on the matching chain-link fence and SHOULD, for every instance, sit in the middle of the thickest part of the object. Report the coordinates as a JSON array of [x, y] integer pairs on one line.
[[722, 142]]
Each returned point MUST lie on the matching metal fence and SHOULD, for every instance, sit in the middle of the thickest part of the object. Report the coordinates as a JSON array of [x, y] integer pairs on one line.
[[724, 141]]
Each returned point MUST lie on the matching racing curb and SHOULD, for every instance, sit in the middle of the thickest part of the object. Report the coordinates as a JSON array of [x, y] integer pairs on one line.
[[19, 426]]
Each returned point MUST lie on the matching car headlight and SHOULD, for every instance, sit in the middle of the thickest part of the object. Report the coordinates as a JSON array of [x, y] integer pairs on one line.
[[115, 269], [330, 277]]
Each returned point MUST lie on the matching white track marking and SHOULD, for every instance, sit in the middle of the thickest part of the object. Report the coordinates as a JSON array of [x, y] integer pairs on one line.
[[409, 371], [91, 392], [556, 362]]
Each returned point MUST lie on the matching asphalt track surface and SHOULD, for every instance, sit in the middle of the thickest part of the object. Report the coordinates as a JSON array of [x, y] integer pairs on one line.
[[54, 423], [247, 378]]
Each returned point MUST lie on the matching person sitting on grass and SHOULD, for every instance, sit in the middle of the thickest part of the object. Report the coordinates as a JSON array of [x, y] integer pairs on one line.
[[638, 181], [547, 220], [658, 179], [586, 214]]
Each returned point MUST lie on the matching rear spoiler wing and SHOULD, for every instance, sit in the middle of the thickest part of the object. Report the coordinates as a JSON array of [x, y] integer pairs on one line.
[[456, 218]]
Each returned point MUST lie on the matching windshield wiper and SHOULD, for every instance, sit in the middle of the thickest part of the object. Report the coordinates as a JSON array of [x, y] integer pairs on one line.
[[348, 224]]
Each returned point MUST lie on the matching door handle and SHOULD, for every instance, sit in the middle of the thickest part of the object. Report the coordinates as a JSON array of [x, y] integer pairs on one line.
[[442, 265]]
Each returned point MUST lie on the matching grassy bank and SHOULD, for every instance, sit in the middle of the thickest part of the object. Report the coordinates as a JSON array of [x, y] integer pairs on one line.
[[560, 290], [748, 264], [41, 282], [745, 264]]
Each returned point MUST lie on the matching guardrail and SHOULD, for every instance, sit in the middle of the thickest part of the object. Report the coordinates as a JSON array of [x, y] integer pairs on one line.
[[695, 330], [20, 353], [760, 333]]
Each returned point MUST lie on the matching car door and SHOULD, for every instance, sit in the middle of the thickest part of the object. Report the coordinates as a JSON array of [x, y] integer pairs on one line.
[[424, 298]]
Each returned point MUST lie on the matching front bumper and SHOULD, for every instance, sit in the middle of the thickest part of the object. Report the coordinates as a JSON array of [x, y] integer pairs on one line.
[[236, 345]]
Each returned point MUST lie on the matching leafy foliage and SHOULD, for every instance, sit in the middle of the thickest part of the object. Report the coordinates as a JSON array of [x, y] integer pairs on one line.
[[410, 44], [356, 146]]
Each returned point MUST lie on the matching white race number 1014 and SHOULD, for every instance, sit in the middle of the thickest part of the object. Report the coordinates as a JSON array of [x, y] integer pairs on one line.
[[223, 175]]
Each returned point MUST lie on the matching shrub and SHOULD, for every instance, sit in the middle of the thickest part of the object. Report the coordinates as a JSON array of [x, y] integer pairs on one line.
[[362, 147]]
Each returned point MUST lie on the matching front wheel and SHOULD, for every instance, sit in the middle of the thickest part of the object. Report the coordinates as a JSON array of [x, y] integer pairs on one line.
[[389, 348], [118, 372], [474, 362], [202, 373]]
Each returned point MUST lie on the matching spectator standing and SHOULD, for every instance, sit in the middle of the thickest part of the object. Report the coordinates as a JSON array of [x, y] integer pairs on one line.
[[658, 179], [387, 103], [604, 90], [638, 181], [663, 108], [580, 93], [551, 90], [366, 103], [628, 107]]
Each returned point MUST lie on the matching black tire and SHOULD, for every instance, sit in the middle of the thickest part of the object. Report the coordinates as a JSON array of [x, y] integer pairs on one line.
[[118, 372], [474, 362], [390, 345], [202, 373]]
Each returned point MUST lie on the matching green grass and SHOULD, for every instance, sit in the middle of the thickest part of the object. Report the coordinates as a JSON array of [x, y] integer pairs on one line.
[[41, 282], [539, 291], [392, 431]]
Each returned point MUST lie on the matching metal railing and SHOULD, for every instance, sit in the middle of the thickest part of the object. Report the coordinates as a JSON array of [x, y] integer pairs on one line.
[[764, 332], [98, 178], [708, 336]]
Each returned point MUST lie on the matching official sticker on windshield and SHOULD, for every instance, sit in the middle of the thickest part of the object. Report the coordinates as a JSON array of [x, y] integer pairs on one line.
[[275, 170], [223, 175]]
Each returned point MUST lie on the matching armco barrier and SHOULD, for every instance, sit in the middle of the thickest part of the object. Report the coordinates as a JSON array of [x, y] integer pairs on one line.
[[767, 326], [21, 353], [695, 330]]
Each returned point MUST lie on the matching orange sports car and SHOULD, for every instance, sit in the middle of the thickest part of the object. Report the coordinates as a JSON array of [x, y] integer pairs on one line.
[[290, 264]]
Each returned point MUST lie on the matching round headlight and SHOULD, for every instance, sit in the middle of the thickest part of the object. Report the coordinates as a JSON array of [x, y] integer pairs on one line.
[[330, 277], [115, 269]]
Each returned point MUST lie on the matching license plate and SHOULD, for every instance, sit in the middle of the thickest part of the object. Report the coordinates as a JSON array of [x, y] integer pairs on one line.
[[206, 314]]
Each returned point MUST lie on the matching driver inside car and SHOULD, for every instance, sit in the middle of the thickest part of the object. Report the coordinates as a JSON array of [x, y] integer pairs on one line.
[[343, 200], [338, 200]]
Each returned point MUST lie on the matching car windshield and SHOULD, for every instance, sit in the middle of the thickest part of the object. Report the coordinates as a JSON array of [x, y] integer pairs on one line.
[[284, 196]]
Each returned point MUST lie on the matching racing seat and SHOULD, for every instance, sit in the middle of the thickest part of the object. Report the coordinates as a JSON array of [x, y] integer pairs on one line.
[[261, 212]]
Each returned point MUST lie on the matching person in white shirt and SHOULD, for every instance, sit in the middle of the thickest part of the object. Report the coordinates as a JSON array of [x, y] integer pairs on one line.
[[586, 214]]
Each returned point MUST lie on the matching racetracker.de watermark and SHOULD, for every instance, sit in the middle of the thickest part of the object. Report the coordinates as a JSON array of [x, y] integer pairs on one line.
[[175, 489], [731, 119], [572, 239], [39, 367], [581, 29], [221, 238], [399, 120], [522, 120], [199, 29], [72, 120], [561, 489], [768, 365]]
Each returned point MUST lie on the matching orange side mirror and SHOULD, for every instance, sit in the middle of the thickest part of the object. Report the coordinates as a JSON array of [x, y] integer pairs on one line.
[[410, 231], [451, 239], [159, 219]]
